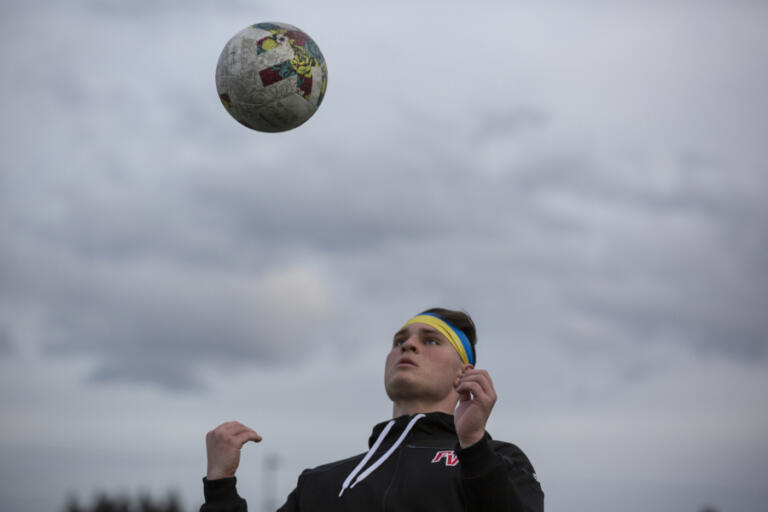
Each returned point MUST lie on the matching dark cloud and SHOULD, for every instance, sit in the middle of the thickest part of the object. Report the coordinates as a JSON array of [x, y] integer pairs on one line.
[[507, 123], [146, 316], [587, 180], [123, 9], [159, 282], [168, 373], [6, 342], [150, 233]]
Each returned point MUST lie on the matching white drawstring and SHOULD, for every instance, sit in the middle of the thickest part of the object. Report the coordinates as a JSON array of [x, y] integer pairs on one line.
[[367, 456], [373, 450]]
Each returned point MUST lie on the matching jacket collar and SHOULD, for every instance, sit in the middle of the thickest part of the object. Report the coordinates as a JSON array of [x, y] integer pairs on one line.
[[434, 423]]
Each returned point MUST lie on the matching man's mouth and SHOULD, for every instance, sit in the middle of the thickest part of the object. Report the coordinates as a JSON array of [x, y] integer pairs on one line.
[[406, 362]]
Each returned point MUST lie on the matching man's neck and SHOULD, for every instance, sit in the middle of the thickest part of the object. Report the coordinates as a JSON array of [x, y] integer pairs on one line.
[[411, 407]]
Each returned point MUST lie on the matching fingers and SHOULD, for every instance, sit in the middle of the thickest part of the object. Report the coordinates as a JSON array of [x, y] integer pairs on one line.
[[479, 384], [482, 377], [249, 435], [472, 391], [233, 432]]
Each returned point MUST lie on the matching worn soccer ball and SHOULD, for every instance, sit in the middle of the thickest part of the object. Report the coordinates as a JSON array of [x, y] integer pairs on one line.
[[271, 77]]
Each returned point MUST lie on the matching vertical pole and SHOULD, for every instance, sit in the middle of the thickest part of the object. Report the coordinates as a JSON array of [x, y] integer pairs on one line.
[[269, 471]]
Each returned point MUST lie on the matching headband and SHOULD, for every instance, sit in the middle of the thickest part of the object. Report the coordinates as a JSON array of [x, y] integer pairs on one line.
[[456, 336]]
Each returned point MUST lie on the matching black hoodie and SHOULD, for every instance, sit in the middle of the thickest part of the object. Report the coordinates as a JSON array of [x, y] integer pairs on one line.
[[414, 464]]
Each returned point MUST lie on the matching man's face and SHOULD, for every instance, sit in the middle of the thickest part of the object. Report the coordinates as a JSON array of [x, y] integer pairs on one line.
[[422, 364]]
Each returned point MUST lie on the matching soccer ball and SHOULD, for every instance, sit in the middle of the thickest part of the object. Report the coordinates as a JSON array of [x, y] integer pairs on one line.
[[271, 77]]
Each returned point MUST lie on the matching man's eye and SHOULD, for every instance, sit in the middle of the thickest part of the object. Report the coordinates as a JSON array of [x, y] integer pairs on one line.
[[397, 342], [432, 341]]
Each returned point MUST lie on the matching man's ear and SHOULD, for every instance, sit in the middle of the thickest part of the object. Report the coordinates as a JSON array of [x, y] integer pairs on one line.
[[464, 368]]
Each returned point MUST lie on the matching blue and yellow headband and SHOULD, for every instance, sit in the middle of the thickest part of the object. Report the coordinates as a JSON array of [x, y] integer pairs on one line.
[[456, 336]]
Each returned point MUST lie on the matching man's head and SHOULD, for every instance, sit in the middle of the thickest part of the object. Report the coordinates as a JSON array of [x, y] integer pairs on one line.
[[424, 364]]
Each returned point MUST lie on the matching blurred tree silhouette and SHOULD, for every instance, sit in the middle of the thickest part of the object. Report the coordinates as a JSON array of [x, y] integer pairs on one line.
[[143, 503]]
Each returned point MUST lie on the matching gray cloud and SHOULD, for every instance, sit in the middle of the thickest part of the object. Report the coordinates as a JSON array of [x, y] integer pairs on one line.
[[155, 294], [178, 242], [6, 342], [586, 179], [507, 123], [159, 322], [122, 9]]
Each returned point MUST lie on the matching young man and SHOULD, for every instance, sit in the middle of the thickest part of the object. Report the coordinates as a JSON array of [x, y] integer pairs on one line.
[[435, 455]]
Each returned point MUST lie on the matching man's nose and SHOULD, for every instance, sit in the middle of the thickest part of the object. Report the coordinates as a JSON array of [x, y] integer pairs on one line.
[[409, 344]]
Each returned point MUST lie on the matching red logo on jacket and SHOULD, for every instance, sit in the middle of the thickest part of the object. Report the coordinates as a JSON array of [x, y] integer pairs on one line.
[[451, 459]]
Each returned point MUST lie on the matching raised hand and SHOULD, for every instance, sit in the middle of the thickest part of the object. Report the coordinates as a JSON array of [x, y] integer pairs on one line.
[[223, 446], [476, 400]]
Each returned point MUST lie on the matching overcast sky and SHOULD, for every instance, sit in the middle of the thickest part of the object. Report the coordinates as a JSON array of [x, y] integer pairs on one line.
[[588, 179]]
